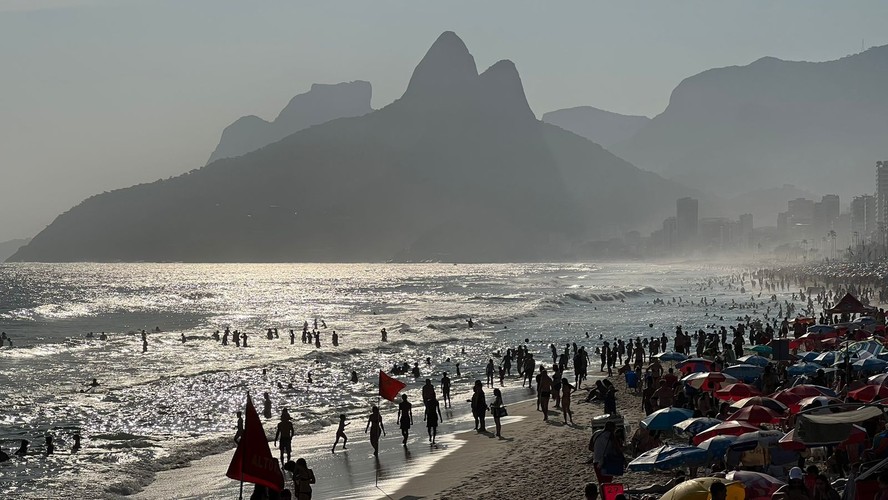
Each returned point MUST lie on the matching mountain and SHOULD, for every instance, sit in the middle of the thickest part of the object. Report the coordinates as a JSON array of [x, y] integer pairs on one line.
[[7, 248], [319, 105], [818, 125], [457, 169], [597, 125]]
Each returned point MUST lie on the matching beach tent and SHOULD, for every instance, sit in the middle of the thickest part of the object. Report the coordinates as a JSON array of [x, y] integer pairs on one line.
[[834, 427], [849, 305], [698, 489]]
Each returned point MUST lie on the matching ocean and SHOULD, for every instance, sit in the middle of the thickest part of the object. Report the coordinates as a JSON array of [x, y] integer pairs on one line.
[[177, 401]]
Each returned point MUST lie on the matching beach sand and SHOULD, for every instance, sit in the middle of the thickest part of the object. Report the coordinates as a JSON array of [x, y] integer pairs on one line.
[[535, 459]]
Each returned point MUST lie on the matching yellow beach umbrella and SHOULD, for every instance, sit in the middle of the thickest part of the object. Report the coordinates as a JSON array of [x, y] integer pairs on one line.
[[698, 489]]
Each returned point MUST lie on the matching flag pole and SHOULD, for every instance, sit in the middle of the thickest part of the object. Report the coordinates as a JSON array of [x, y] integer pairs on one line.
[[241, 494]]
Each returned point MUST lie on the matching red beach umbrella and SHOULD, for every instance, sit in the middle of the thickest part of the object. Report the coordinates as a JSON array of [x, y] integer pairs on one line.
[[729, 428], [813, 402], [805, 390], [767, 402], [736, 392], [788, 398], [755, 414], [869, 393]]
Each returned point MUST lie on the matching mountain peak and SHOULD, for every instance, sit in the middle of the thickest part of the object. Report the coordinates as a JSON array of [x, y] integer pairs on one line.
[[447, 63], [503, 87]]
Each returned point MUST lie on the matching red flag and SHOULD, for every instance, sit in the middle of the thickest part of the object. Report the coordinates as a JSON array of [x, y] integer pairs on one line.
[[252, 461], [389, 387]]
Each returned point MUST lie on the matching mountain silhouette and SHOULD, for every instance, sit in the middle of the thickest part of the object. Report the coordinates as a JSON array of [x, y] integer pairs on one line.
[[812, 124], [597, 125], [457, 169], [9, 247], [319, 105]]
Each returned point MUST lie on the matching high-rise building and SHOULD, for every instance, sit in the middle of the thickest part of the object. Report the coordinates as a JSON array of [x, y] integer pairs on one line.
[[826, 213], [745, 235], [688, 216], [863, 216], [882, 191]]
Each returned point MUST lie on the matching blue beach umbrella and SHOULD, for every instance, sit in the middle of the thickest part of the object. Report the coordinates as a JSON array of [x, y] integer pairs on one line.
[[694, 426], [669, 457], [671, 356], [664, 418], [746, 373], [803, 369], [870, 365], [752, 440], [717, 446], [820, 329], [753, 359], [826, 358], [810, 355]]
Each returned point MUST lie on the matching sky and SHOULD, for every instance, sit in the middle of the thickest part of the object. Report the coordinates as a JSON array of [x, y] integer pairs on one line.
[[98, 95]]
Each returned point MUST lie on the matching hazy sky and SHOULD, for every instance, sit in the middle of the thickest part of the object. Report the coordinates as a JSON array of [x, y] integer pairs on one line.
[[102, 94]]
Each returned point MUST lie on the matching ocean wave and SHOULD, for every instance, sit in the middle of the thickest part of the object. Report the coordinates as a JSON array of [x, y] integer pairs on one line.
[[499, 298], [447, 318], [611, 296]]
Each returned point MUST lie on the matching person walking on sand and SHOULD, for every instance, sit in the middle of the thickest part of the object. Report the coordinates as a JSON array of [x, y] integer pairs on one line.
[[405, 417], [545, 389], [497, 409], [566, 391], [285, 432], [340, 433], [433, 417], [479, 406], [374, 424]]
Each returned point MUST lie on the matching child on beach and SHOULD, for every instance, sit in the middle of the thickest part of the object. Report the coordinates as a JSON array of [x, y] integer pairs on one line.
[[340, 433]]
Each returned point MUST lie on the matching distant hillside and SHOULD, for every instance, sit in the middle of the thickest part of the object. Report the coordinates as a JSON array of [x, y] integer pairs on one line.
[[319, 105], [597, 125], [821, 126], [457, 169], [7, 248]]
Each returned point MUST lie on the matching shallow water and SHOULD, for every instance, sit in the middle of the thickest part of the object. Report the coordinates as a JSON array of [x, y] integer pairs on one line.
[[177, 401]]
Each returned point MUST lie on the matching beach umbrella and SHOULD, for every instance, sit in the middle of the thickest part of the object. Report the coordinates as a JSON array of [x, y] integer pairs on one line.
[[698, 489], [694, 426], [736, 392], [693, 365], [752, 440], [803, 369], [809, 356], [754, 359], [821, 329], [729, 428], [869, 365], [670, 356], [792, 442], [717, 446], [869, 393], [787, 398], [669, 457], [755, 414], [813, 402], [757, 484], [746, 373], [877, 379], [664, 418], [771, 403], [807, 390], [708, 381], [826, 358], [762, 349]]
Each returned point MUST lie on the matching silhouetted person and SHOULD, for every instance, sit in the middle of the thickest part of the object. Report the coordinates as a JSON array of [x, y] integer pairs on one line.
[[354, 377], [433, 417], [405, 417], [266, 405], [340, 433], [335, 339], [285, 432], [76, 447], [479, 405], [23, 449], [496, 410], [240, 428], [445, 390], [49, 446], [374, 424]]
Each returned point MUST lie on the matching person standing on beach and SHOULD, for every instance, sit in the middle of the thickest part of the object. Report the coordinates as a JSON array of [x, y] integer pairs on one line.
[[496, 409], [340, 433], [432, 417], [544, 385], [266, 405], [529, 365], [240, 428], [405, 417], [285, 431], [428, 391], [445, 390], [566, 391], [479, 406], [489, 372], [374, 424]]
